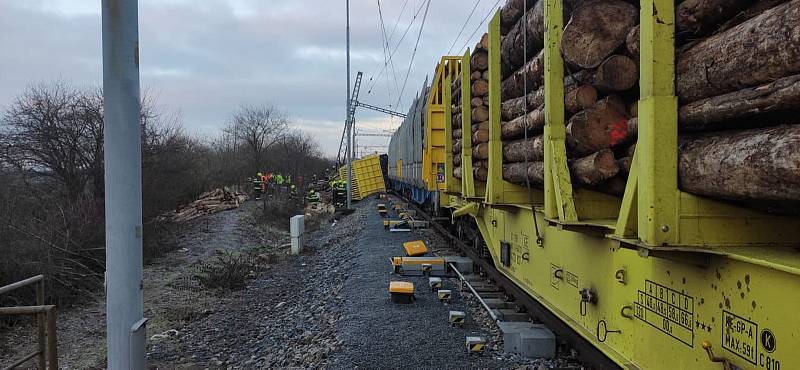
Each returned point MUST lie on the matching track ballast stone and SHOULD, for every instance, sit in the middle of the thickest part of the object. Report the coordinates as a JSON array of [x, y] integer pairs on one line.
[[379, 334]]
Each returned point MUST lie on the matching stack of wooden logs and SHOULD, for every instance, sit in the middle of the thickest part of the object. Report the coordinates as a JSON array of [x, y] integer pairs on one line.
[[479, 66], [737, 82], [213, 201], [456, 126]]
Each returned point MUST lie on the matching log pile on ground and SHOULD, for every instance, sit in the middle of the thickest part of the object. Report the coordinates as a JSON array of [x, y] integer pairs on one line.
[[737, 82], [213, 201], [479, 105]]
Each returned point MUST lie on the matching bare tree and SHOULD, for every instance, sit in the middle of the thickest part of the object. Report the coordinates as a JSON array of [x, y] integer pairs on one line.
[[298, 150], [57, 131], [257, 128]]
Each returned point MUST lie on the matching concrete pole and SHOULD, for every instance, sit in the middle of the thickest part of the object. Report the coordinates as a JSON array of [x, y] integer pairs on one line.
[[123, 184], [349, 121]]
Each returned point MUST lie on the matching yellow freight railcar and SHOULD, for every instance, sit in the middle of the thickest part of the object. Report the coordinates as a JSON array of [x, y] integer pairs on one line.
[[656, 279]]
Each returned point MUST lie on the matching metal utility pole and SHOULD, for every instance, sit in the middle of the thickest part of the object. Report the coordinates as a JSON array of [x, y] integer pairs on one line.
[[123, 186], [349, 121]]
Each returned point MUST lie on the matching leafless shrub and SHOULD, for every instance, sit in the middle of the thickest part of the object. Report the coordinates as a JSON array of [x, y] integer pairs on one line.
[[228, 271]]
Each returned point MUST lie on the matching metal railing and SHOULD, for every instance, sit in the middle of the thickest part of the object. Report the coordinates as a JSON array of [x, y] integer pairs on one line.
[[47, 351]]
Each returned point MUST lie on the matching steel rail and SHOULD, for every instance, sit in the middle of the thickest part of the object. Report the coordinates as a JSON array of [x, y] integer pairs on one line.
[[587, 352], [483, 303]]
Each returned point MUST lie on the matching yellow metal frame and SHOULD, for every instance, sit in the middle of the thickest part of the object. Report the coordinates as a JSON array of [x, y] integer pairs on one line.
[[434, 157], [558, 200], [664, 215], [499, 191], [470, 187], [452, 67], [677, 275]]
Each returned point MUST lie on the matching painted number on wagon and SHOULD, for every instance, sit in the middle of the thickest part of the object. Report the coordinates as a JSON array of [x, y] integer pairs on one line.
[[667, 310]]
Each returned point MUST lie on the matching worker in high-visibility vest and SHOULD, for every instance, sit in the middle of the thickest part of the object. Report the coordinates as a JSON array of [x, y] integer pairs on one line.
[[313, 196], [264, 184], [279, 179]]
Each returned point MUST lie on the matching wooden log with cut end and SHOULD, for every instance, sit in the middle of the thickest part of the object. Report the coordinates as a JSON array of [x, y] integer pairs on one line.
[[517, 173], [479, 61], [480, 151], [480, 163], [633, 128], [532, 74], [531, 150], [625, 164], [456, 122], [526, 38], [750, 12], [480, 174], [457, 172], [615, 73], [480, 88], [457, 147], [457, 133], [633, 109], [579, 97], [597, 128], [738, 109], [632, 43], [480, 136], [698, 17], [483, 43], [755, 52], [480, 114], [511, 109], [476, 102], [631, 150], [511, 12], [532, 122], [695, 18], [597, 28], [480, 126], [758, 164], [475, 76], [594, 168]]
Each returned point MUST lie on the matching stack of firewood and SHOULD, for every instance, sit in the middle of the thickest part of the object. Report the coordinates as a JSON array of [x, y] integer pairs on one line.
[[213, 201], [479, 66], [737, 82], [456, 125]]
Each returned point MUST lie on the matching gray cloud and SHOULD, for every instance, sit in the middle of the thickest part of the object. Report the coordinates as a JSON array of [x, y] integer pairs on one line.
[[204, 58]]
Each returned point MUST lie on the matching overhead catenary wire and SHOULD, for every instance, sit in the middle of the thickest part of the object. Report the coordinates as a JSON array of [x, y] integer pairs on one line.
[[372, 79], [479, 25], [386, 60], [387, 39], [414, 53], [463, 26]]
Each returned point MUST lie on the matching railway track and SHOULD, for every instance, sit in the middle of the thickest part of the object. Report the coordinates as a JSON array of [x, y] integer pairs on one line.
[[586, 352]]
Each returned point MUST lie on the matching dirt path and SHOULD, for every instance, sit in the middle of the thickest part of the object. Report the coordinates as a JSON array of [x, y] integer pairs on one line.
[[173, 298]]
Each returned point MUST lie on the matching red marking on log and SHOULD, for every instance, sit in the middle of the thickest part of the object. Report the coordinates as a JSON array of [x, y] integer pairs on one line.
[[619, 132]]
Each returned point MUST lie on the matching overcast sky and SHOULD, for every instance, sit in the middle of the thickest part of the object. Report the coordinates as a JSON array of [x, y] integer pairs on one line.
[[204, 58]]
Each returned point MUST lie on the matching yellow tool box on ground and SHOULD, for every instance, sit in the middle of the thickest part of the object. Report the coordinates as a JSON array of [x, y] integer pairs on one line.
[[415, 248], [401, 291]]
